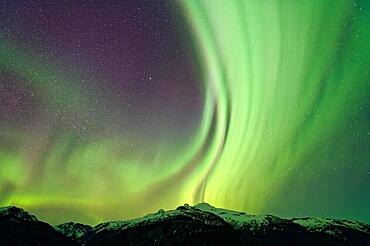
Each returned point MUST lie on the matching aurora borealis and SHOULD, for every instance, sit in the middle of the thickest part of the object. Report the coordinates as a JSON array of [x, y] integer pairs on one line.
[[114, 109]]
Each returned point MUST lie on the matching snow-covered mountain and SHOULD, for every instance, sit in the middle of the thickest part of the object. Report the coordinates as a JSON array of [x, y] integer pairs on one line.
[[201, 224]]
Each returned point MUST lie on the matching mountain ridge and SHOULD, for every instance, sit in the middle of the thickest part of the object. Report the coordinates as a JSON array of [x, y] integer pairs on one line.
[[201, 224]]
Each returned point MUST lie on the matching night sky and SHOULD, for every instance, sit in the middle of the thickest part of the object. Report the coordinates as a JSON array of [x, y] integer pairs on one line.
[[113, 109]]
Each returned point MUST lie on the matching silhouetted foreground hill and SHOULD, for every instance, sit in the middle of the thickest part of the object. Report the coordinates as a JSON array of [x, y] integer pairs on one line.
[[186, 225]]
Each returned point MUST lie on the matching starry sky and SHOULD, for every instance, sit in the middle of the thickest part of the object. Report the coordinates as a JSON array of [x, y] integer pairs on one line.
[[114, 109]]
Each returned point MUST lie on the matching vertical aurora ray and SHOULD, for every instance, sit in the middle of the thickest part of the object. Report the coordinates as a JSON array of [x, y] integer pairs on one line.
[[292, 75]]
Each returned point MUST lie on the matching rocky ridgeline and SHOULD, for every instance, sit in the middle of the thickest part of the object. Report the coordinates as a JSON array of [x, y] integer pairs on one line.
[[198, 225]]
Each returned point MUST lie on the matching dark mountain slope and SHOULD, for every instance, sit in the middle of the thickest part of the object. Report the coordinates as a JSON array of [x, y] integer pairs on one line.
[[17, 227]]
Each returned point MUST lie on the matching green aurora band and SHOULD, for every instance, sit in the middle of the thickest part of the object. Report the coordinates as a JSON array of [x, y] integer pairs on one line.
[[285, 123], [282, 78]]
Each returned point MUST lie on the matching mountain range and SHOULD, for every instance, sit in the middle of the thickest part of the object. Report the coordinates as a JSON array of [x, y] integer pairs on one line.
[[201, 224]]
